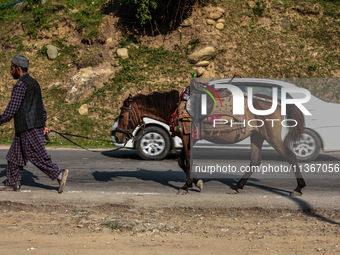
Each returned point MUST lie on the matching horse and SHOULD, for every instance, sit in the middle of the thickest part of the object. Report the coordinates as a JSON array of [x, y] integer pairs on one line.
[[161, 107]]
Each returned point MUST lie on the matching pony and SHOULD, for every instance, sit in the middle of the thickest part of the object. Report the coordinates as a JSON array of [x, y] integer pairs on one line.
[[162, 106]]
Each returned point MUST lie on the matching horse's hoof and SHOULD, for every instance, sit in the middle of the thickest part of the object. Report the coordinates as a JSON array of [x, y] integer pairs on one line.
[[232, 191], [182, 192], [199, 185], [296, 194]]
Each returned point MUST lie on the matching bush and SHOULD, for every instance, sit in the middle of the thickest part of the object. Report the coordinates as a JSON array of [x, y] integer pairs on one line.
[[158, 16]]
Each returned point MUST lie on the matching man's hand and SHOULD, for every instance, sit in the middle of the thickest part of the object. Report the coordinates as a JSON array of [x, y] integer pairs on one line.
[[46, 131]]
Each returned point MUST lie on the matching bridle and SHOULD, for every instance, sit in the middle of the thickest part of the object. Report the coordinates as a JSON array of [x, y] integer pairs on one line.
[[128, 131]]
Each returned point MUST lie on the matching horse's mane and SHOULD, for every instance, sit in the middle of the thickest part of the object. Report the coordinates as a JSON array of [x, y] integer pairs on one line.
[[164, 103]]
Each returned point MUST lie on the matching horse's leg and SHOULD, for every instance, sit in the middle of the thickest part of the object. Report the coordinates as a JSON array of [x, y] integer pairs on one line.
[[255, 160], [184, 161], [196, 181], [281, 148]]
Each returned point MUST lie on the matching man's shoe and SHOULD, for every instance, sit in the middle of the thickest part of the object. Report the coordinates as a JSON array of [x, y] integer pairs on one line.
[[62, 182], [11, 188]]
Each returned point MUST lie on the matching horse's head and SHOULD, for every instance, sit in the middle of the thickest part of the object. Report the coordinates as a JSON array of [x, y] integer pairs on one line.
[[127, 121]]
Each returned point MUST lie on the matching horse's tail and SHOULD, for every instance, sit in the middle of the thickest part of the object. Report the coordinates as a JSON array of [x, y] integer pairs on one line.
[[294, 113]]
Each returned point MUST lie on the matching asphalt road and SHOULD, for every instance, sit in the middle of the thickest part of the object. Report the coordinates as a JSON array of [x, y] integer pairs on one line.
[[121, 177]]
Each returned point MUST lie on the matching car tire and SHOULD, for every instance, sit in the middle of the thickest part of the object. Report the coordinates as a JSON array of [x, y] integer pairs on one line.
[[153, 144], [308, 147]]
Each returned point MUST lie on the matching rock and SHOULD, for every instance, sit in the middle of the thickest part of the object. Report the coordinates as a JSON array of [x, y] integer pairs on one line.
[[202, 63], [202, 54], [123, 53], [215, 15], [84, 109], [211, 22], [132, 45], [221, 21], [187, 23], [85, 82], [200, 71], [220, 9], [219, 26], [54, 85], [52, 51], [135, 46], [109, 40]]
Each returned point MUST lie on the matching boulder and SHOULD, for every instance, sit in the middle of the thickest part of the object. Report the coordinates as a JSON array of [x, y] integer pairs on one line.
[[200, 71], [219, 26], [55, 85], [84, 109], [215, 15], [52, 51], [202, 54], [123, 53], [86, 82], [220, 9], [109, 40], [187, 23], [202, 63], [211, 22]]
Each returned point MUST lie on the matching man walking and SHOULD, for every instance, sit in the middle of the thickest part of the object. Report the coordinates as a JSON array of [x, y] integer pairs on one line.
[[27, 109]]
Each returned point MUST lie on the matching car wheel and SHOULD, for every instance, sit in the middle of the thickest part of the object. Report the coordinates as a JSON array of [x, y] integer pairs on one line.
[[308, 147], [154, 145]]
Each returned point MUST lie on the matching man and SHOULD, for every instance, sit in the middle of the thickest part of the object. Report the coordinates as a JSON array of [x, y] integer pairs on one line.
[[27, 109]]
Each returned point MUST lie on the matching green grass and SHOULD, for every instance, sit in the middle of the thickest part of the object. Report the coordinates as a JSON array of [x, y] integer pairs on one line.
[[36, 16]]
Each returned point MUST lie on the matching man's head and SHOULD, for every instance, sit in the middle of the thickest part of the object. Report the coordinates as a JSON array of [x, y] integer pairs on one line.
[[19, 65]]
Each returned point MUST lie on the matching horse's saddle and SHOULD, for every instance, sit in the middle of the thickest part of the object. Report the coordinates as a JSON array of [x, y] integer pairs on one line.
[[194, 104], [222, 118]]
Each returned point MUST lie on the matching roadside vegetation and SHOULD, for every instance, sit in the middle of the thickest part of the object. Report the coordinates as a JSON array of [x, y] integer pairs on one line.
[[261, 38]]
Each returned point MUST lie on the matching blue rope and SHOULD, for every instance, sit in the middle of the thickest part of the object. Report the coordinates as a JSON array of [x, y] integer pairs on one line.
[[7, 5]]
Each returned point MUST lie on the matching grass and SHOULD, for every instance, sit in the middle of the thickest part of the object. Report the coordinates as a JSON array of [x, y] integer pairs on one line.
[[144, 66], [36, 16]]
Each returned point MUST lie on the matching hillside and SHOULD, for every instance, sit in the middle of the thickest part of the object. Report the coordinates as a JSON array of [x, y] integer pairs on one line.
[[261, 38]]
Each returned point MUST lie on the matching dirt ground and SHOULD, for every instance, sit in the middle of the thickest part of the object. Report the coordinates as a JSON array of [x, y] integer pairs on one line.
[[122, 229]]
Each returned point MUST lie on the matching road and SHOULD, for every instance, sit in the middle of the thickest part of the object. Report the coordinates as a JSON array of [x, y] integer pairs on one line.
[[121, 177]]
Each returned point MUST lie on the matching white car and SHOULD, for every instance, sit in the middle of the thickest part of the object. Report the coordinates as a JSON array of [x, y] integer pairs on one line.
[[322, 128]]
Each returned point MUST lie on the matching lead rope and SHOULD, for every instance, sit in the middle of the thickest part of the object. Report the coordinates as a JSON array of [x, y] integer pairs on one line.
[[64, 135]]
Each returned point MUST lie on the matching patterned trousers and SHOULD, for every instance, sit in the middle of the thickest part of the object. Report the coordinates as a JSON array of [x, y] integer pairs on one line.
[[29, 146]]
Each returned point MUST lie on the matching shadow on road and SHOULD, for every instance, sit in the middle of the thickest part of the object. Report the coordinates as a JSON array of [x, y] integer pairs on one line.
[[306, 208], [132, 154], [28, 179], [161, 177], [214, 154]]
